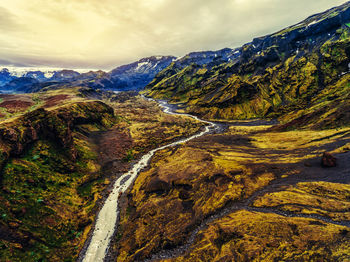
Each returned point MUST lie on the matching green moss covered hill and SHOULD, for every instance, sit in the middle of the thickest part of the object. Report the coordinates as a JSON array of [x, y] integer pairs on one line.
[[59, 152], [46, 165], [299, 67]]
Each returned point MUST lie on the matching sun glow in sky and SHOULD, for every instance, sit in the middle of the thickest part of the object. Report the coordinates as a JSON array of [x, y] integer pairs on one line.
[[107, 33]]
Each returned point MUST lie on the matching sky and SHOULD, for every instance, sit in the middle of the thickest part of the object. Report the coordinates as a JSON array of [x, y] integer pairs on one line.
[[103, 34]]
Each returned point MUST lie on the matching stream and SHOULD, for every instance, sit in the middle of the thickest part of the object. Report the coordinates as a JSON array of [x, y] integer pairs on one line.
[[108, 216]]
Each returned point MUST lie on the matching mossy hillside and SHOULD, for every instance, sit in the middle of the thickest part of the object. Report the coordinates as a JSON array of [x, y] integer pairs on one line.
[[202, 184], [45, 99], [252, 236], [237, 96], [278, 90], [50, 182], [186, 184], [321, 198], [329, 109], [52, 159], [12, 106], [56, 124], [43, 206]]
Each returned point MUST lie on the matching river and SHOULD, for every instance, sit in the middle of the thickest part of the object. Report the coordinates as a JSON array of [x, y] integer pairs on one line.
[[108, 215]]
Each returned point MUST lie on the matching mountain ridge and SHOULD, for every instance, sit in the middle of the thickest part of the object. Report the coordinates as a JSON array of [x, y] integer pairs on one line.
[[132, 76], [257, 82]]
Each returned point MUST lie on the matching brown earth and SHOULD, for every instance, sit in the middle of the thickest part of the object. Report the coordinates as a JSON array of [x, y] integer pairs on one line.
[[14, 106], [7, 96], [55, 100], [112, 144]]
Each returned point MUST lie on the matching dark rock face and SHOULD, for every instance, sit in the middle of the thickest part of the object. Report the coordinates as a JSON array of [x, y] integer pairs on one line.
[[158, 186], [328, 160]]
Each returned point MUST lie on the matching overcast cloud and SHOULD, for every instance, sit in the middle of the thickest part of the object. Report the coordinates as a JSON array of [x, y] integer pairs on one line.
[[106, 33]]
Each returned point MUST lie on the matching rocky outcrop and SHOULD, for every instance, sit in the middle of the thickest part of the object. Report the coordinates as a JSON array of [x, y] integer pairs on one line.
[[328, 160], [56, 125]]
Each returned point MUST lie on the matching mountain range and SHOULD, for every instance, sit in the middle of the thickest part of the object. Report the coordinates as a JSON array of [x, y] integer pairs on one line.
[[134, 76]]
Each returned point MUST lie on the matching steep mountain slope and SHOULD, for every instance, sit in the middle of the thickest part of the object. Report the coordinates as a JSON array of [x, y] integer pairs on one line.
[[273, 75], [38, 75], [209, 59], [64, 75]]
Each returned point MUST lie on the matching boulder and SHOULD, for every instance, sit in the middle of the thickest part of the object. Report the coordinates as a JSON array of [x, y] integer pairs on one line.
[[328, 160]]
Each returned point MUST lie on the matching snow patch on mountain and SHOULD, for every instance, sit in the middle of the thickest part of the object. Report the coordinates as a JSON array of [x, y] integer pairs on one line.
[[47, 71], [140, 65]]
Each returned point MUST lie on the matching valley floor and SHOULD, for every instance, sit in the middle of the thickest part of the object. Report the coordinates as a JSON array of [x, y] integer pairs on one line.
[[248, 193], [244, 192]]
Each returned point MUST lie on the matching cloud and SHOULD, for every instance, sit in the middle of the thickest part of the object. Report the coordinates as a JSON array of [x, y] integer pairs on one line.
[[7, 21], [107, 33]]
